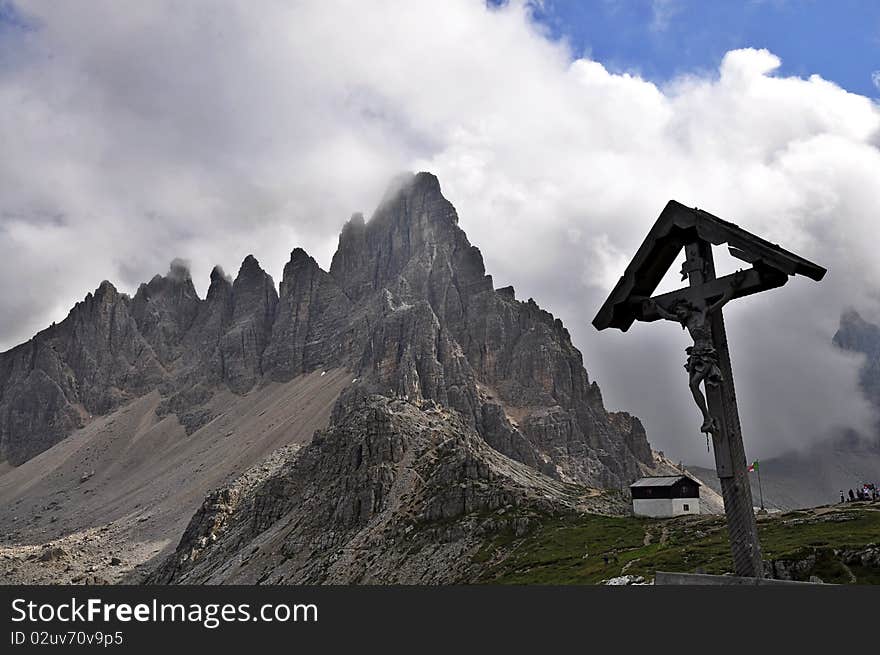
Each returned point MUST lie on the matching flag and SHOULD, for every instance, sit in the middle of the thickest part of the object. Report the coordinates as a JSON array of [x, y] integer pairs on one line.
[[753, 466]]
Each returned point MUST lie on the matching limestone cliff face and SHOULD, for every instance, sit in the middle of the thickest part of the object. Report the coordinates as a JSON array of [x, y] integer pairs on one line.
[[164, 308], [406, 306], [434, 327], [88, 364], [247, 335], [202, 341], [311, 324]]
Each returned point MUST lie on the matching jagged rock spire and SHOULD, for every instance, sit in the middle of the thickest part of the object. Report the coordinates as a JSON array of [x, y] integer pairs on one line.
[[164, 308], [311, 317], [254, 303]]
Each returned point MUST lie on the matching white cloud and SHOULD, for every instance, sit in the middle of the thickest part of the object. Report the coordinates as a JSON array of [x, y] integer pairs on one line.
[[875, 79], [208, 130]]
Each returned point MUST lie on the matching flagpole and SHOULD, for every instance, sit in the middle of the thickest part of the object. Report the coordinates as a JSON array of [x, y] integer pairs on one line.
[[760, 488]]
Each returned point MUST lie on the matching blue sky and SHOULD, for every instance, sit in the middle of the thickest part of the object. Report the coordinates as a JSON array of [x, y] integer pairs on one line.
[[658, 39]]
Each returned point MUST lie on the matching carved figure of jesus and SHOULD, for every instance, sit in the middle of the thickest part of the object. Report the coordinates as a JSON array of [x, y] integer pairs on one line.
[[702, 361]]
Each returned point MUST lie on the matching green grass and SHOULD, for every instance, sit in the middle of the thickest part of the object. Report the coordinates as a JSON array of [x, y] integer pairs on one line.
[[565, 550], [571, 549]]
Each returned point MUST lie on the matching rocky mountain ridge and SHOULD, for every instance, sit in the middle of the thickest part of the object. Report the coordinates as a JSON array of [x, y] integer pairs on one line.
[[406, 306], [393, 492]]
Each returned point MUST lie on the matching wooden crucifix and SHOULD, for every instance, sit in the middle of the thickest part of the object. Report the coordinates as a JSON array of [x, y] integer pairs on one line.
[[698, 308]]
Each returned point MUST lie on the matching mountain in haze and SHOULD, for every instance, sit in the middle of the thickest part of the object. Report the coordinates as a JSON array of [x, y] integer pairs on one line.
[[816, 475], [444, 410], [857, 335]]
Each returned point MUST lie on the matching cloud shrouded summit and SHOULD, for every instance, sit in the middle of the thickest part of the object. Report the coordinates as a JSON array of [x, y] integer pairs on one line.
[[209, 130]]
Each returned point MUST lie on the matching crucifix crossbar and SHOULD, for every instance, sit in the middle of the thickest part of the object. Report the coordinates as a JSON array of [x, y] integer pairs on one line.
[[753, 281], [698, 308]]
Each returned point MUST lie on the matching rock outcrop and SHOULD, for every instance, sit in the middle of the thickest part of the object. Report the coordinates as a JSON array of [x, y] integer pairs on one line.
[[406, 306], [393, 492], [253, 312], [311, 325], [164, 308], [90, 363]]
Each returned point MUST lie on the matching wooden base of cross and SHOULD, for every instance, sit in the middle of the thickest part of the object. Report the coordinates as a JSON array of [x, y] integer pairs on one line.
[[698, 308]]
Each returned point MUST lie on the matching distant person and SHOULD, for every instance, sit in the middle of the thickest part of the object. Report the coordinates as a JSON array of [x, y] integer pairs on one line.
[[852, 496], [842, 497]]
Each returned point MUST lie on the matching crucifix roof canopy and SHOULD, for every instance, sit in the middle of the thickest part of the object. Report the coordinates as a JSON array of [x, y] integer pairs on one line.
[[677, 226]]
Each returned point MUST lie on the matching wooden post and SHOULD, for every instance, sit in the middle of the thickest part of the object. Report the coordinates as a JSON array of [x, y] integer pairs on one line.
[[730, 458]]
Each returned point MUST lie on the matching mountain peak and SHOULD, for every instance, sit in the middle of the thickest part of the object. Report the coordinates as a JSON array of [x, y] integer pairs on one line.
[[419, 191], [250, 266], [221, 286], [299, 261], [177, 281], [106, 291], [355, 222], [300, 255], [857, 335], [407, 308], [218, 275], [426, 181], [178, 270], [851, 317], [413, 229], [252, 278]]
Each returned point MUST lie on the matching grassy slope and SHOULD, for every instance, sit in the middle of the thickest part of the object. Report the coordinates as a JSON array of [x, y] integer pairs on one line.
[[571, 550]]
